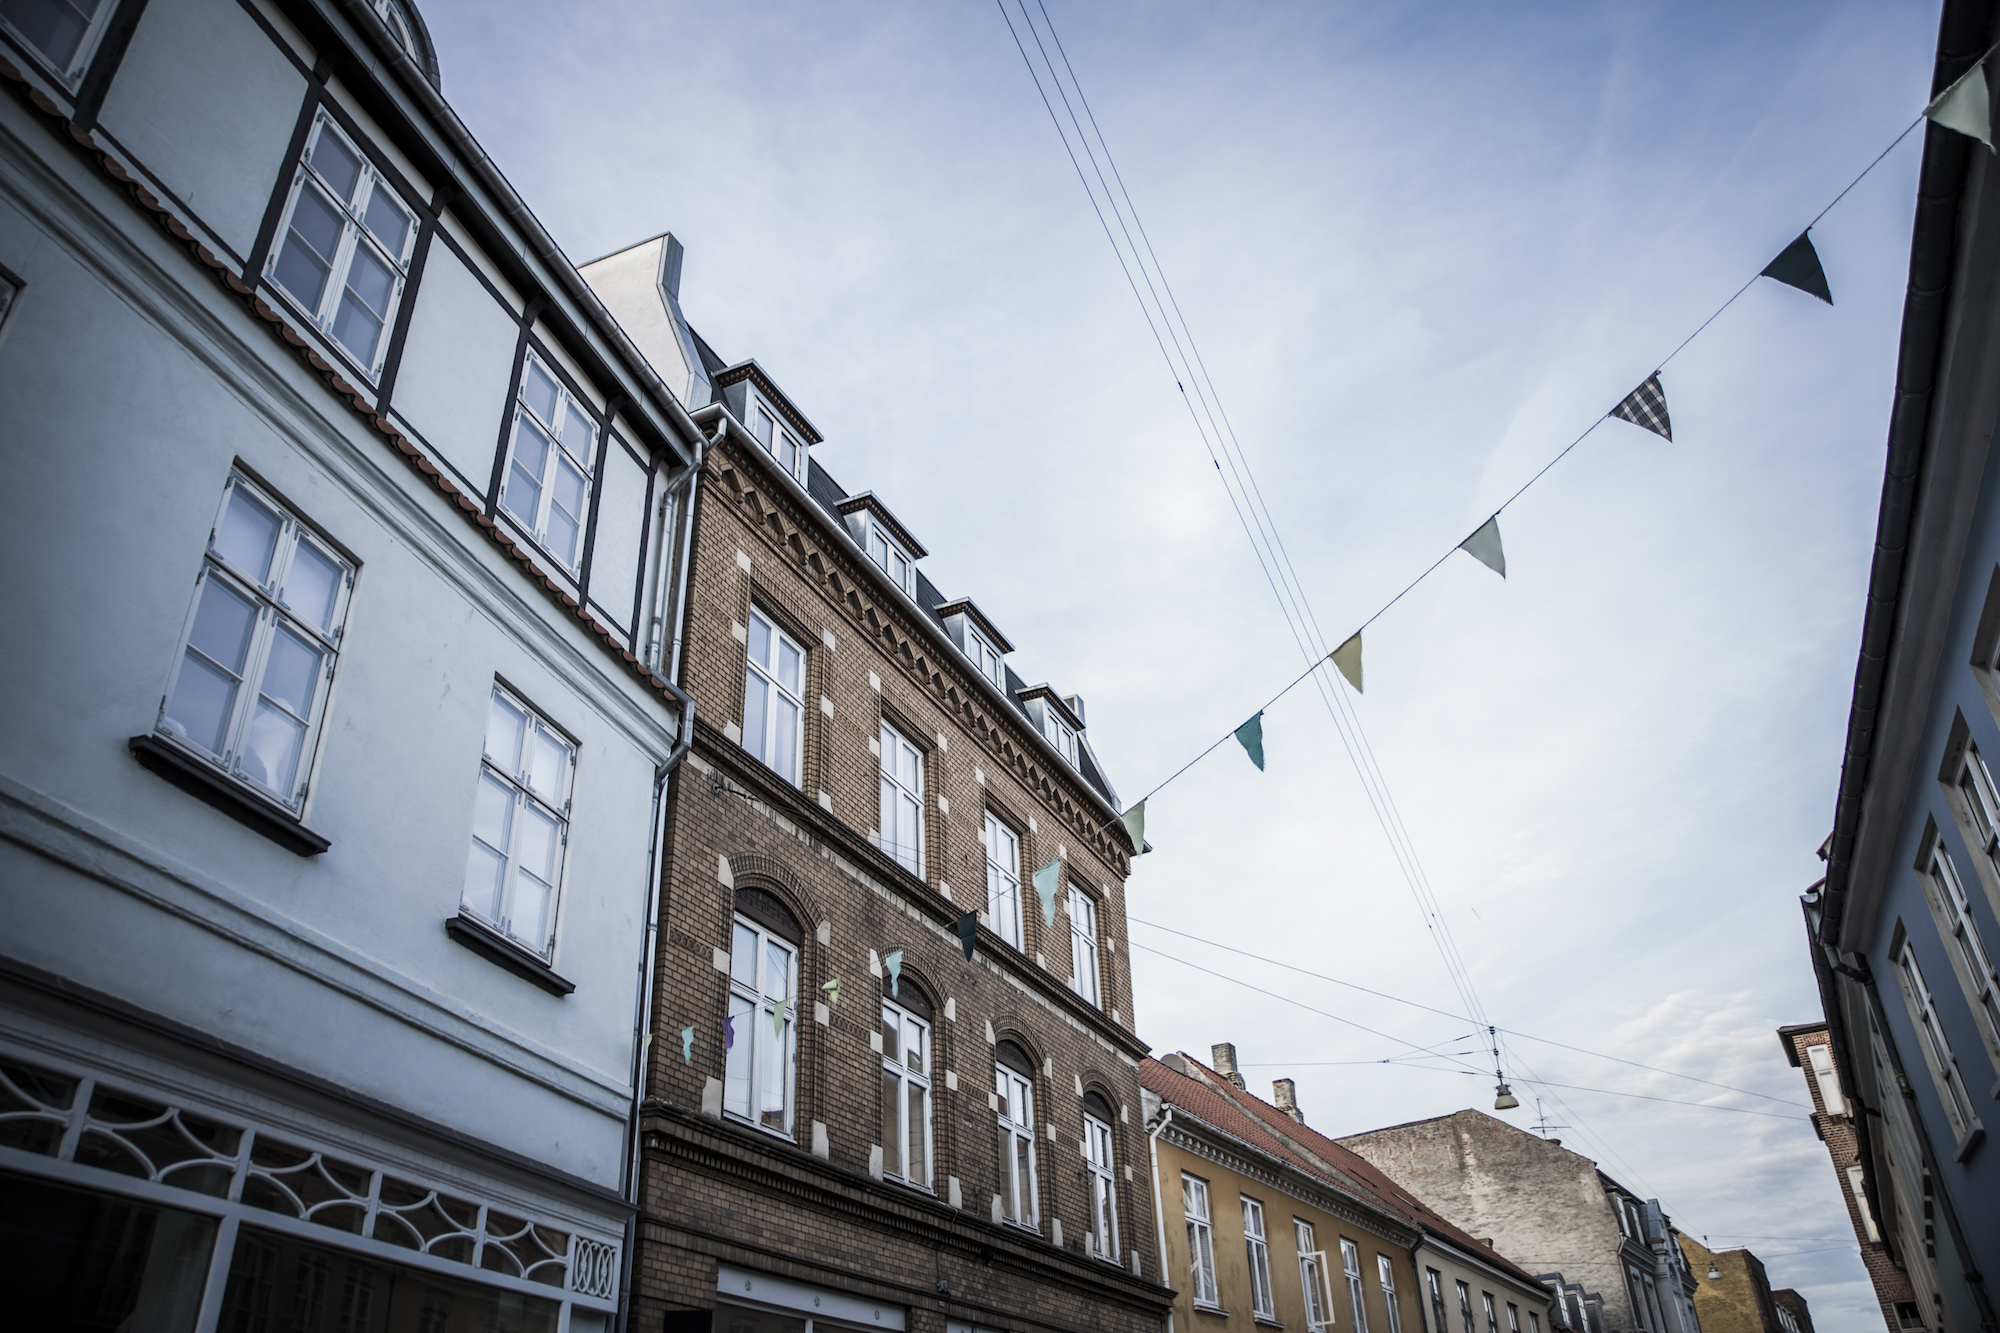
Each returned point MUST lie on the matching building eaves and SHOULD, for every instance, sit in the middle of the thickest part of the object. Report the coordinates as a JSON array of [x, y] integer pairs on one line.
[[757, 375], [869, 501], [1791, 1030]]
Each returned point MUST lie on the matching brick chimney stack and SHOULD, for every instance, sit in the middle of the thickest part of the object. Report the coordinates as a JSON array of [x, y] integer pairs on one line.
[[1223, 1056], [1285, 1096]]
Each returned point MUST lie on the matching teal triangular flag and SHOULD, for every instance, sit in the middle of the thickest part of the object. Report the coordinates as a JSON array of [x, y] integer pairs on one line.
[[894, 962], [1251, 737], [778, 1021], [1484, 546], [1045, 885], [1134, 821], [1966, 106], [1797, 265], [687, 1044], [967, 927]]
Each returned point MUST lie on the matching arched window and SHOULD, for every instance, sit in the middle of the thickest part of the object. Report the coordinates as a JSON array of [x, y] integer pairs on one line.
[[906, 1084], [1099, 1166], [762, 1036], [1014, 1086]]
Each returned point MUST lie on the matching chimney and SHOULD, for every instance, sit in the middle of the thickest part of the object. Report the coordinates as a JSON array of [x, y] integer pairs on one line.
[[1285, 1096], [1223, 1056], [1075, 704], [670, 266]]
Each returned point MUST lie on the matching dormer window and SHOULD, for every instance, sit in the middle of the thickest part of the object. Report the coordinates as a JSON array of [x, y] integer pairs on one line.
[[985, 657], [779, 442], [983, 644], [1060, 721], [1060, 735], [885, 553], [399, 23]]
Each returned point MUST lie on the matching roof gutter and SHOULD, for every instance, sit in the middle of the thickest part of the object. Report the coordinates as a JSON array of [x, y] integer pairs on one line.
[[1962, 37], [359, 13]]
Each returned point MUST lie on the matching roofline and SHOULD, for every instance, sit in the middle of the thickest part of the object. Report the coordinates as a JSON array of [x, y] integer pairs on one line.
[[873, 504], [757, 375], [1790, 1030], [1069, 714]]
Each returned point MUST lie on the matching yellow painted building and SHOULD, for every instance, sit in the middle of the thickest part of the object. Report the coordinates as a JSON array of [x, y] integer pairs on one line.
[[1265, 1224]]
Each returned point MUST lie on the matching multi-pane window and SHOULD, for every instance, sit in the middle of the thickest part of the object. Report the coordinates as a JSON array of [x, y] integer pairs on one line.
[[902, 801], [985, 657], [884, 551], [1819, 1060], [1434, 1283], [1258, 1253], [344, 246], [780, 443], [1200, 1239], [762, 1043], [549, 462], [1492, 1317], [1534, 1322], [1083, 944], [1970, 960], [1350, 1262], [1015, 1102], [1060, 734], [1386, 1270], [1003, 880], [1103, 1185], [520, 824], [1311, 1277], [1465, 1308], [257, 654], [1980, 803], [906, 1091], [65, 32], [1513, 1318], [1937, 1048], [773, 698]]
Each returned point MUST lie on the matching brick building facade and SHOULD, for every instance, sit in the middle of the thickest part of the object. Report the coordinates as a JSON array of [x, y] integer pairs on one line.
[[847, 1121], [1809, 1047]]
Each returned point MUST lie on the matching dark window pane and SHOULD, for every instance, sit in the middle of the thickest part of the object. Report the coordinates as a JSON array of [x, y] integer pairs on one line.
[[76, 1261], [336, 161]]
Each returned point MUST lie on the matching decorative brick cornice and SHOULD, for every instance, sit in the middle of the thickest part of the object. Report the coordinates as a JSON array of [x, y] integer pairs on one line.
[[355, 399], [775, 516]]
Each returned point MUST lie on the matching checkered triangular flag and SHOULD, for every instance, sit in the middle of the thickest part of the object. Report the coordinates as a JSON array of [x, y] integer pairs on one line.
[[1647, 406]]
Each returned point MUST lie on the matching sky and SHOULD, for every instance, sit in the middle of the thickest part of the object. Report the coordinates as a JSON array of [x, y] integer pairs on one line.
[[1421, 248]]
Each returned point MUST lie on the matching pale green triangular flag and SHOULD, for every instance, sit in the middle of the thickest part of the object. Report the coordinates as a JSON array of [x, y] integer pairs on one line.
[[1484, 546], [1348, 658], [1251, 737], [832, 988], [894, 962], [1966, 106], [1134, 821], [778, 1020], [1045, 885], [687, 1044]]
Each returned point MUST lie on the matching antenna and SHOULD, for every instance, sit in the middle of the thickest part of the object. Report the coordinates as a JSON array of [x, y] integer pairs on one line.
[[1542, 1126]]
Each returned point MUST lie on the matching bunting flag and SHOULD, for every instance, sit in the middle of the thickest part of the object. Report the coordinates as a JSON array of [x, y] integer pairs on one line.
[[1797, 265], [967, 927], [729, 1033], [1966, 106], [778, 1015], [894, 962], [687, 1045], [1647, 406], [1348, 658], [1134, 821], [832, 989], [1045, 885], [1251, 737], [1484, 546]]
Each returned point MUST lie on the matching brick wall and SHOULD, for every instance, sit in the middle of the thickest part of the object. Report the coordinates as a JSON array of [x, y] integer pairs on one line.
[[808, 1207]]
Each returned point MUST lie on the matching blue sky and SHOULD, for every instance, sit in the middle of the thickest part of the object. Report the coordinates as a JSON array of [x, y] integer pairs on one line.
[[1422, 246]]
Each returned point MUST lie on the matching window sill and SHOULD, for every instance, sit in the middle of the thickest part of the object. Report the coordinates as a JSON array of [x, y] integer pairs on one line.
[[747, 1123], [1218, 1311], [494, 947], [204, 782], [1970, 1143], [1264, 1321]]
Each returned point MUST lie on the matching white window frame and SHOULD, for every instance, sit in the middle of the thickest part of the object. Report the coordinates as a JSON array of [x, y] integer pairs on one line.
[[1201, 1242], [1061, 735], [531, 795], [1952, 911], [552, 426], [887, 554], [1534, 1322], [1857, 1179], [1003, 880], [1385, 1269], [1083, 948], [1465, 1306], [71, 74], [1099, 1167], [1019, 1187], [901, 835], [1312, 1276], [1350, 1263], [767, 676], [777, 439], [1257, 1252], [264, 591], [1513, 1318], [355, 235], [1936, 1045], [1826, 1078], [1979, 804], [763, 1049], [985, 658], [1492, 1313], [398, 22], [907, 1077]]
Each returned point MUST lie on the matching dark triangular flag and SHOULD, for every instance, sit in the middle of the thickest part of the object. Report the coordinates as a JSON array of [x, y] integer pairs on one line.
[[967, 927], [1251, 737], [1797, 265], [1647, 406]]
